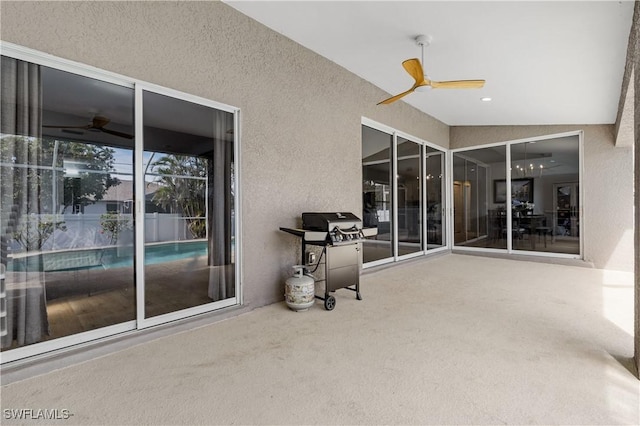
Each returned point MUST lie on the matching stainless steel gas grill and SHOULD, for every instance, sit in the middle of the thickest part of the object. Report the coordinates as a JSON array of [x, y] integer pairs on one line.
[[340, 235]]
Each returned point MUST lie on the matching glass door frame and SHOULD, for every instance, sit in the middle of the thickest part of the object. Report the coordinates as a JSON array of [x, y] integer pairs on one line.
[[142, 320], [25, 54], [444, 194], [396, 239], [91, 336], [508, 144], [478, 164], [393, 187], [423, 216]]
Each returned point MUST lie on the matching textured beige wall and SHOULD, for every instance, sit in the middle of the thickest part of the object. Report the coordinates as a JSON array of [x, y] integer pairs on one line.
[[300, 113], [607, 185]]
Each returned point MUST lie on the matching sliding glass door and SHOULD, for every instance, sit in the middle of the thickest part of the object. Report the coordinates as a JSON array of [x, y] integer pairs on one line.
[[65, 192], [188, 193], [377, 194], [434, 180], [403, 195], [545, 181], [117, 206], [534, 206], [479, 219], [410, 199]]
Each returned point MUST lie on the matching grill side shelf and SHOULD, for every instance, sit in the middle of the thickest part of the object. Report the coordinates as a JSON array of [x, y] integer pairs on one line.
[[313, 237]]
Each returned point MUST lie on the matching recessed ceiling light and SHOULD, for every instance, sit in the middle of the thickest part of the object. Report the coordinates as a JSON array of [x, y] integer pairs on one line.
[[486, 99]]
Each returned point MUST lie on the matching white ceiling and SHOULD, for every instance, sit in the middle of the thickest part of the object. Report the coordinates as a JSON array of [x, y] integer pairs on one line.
[[551, 62]]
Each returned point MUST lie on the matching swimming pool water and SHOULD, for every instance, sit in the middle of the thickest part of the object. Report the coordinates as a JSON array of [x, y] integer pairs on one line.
[[160, 253], [108, 258]]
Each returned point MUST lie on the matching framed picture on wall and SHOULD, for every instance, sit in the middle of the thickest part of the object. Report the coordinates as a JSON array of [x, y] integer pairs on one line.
[[521, 190]]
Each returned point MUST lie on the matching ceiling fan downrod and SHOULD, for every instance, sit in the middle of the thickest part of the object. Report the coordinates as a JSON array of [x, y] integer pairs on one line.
[[422, 41]]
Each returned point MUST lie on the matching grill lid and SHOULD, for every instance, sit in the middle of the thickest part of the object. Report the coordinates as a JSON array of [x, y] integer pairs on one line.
[[328, 221]]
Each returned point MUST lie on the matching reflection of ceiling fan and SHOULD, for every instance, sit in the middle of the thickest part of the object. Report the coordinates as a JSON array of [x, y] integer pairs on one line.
[[97, 123], [423, 83]]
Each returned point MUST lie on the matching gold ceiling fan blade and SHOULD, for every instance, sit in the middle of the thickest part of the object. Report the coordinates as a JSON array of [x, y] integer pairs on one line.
[[414, 68], [398, 96], [458, 84]]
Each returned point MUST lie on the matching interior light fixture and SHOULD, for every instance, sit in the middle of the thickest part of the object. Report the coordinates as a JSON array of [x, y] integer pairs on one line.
[[486, 99], [530, 168]]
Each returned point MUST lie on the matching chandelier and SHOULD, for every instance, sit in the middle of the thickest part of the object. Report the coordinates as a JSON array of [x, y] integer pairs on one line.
[[527, 168]]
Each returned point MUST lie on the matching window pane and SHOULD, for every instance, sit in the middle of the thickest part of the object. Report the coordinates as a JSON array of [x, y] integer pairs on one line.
[[434, 178], [189, 233], [66, 167], [409, 197], [545, 178], [480, 218], [377, 193]]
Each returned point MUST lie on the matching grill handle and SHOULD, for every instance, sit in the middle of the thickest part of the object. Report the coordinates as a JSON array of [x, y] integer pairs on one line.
[[344, 232]]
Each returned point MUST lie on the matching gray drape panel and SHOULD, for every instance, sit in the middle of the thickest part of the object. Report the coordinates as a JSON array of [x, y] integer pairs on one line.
[[20, 124], [219, 201]]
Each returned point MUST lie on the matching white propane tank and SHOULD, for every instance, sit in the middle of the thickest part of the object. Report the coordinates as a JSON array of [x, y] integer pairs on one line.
[[300, 290]]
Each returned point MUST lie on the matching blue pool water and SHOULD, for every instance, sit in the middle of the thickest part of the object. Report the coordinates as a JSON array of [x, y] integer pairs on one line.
[[108, 258], [158, 253]]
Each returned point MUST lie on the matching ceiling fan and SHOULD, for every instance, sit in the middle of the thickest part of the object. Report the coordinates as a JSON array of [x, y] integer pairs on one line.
[[97, 123], [423, 82]]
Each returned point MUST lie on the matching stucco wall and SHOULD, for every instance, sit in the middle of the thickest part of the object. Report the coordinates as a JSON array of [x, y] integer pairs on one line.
[[607, 185], [300, 113]]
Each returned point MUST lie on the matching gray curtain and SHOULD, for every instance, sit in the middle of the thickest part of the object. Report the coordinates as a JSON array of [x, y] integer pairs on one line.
[[20, 124], [220, 206]]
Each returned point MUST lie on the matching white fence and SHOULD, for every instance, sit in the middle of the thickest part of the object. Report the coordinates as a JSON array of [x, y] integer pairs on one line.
[[85, 230]]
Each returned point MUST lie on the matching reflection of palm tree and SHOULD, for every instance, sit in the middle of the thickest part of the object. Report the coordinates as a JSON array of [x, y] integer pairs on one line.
[[182, 189]]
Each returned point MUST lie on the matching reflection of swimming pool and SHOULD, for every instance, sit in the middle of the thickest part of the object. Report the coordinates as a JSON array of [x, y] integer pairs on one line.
[[109, 258], [158, 253]]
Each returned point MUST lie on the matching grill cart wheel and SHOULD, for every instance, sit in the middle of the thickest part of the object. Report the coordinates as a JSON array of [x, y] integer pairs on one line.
[[330, 303]]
